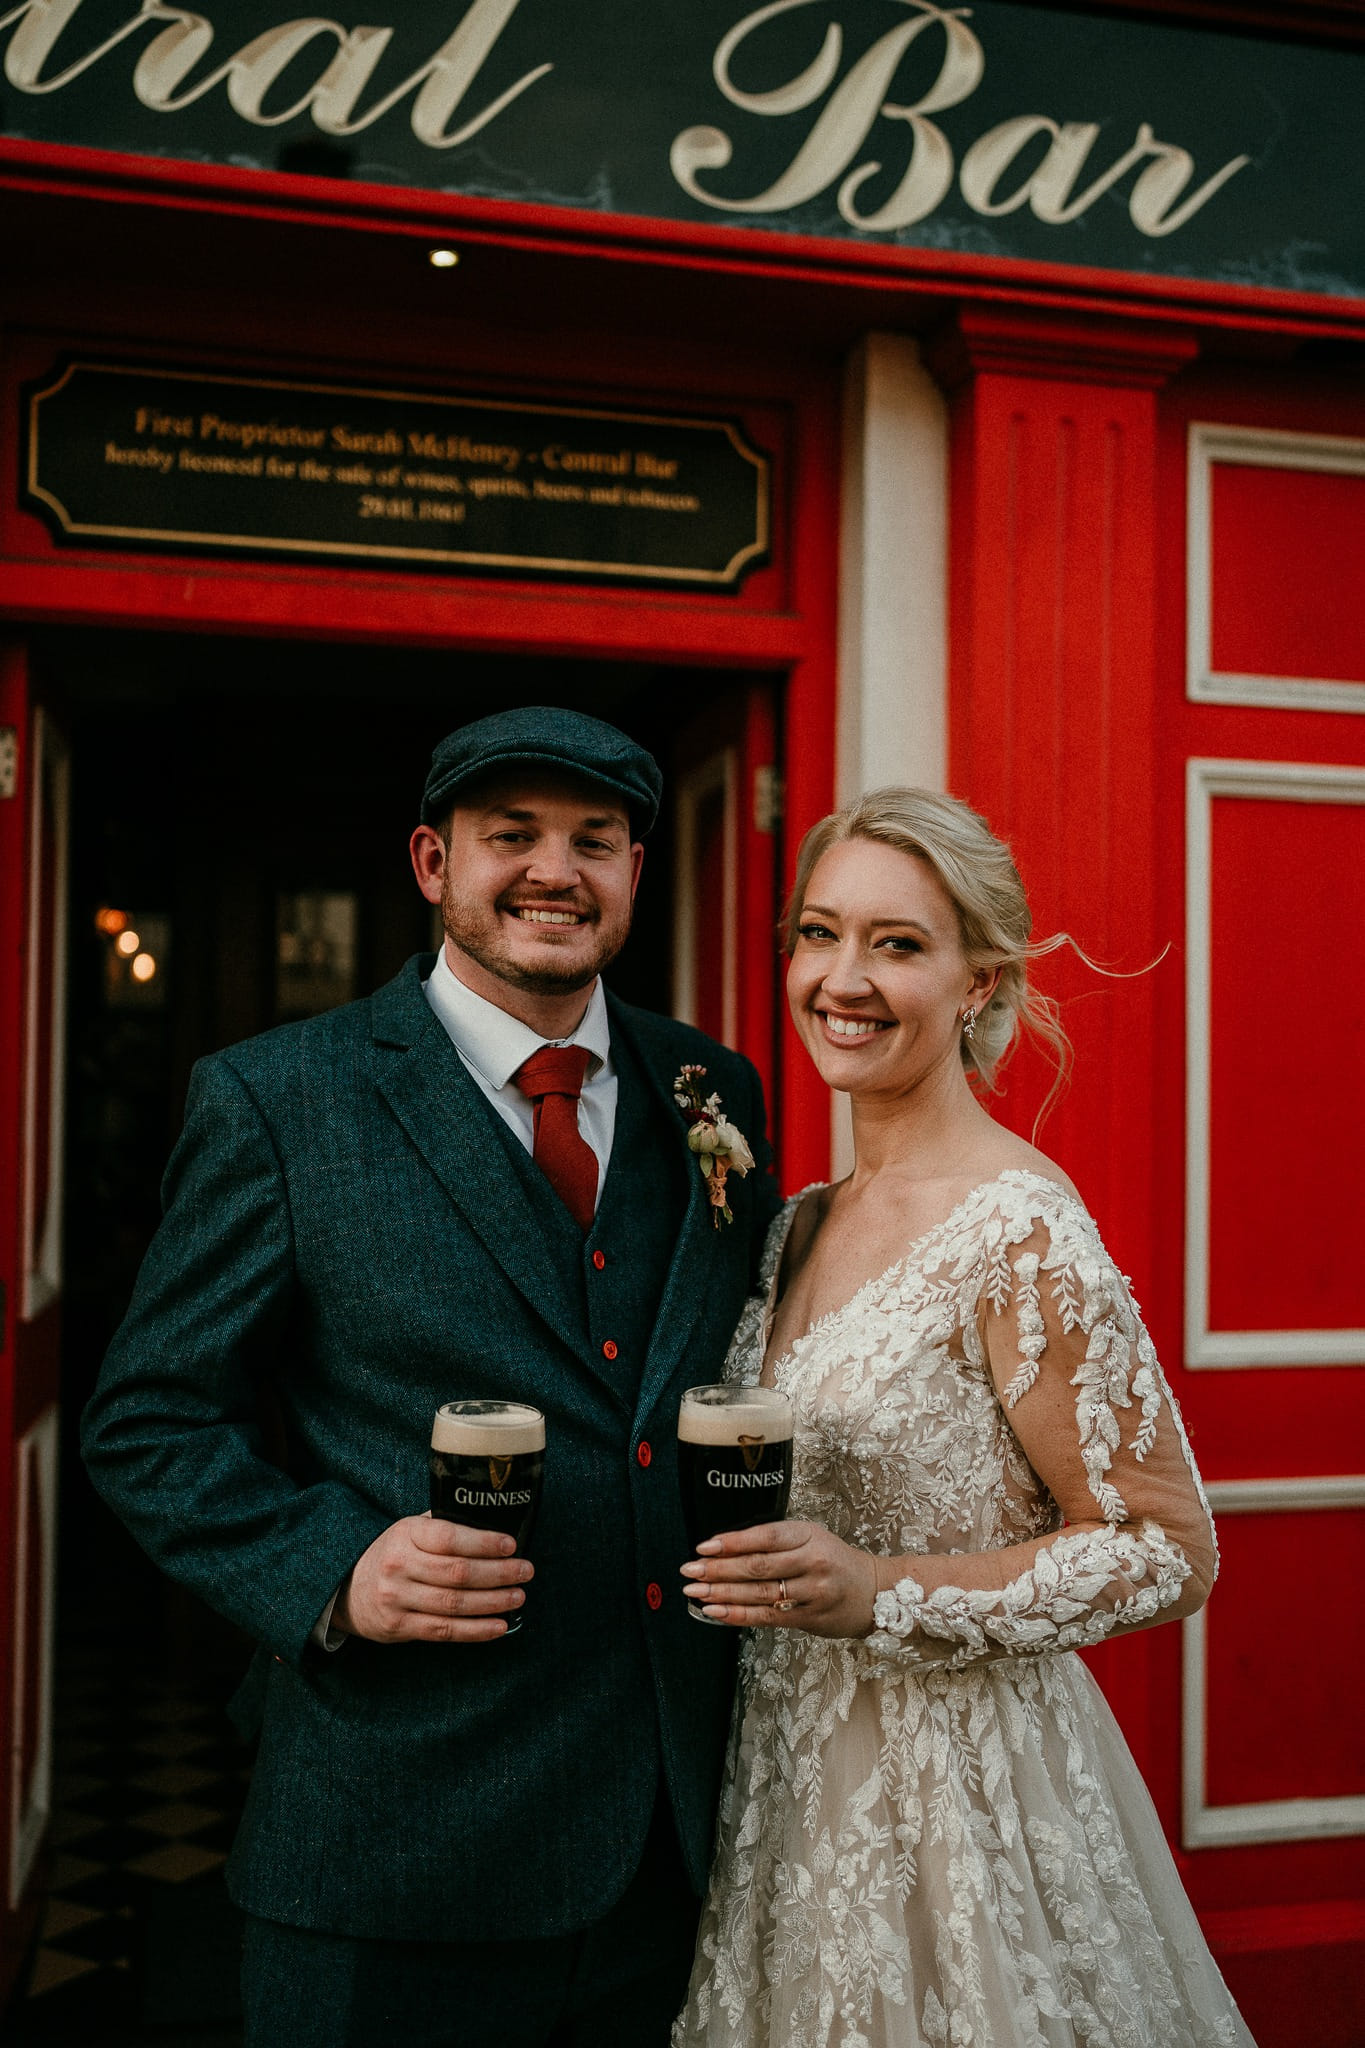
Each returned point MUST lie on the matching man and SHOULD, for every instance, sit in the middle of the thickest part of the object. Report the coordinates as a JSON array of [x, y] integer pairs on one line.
[[455, 1835]]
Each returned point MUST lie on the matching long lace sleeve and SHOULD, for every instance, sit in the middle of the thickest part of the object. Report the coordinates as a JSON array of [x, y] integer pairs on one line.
[[1078, 1381]]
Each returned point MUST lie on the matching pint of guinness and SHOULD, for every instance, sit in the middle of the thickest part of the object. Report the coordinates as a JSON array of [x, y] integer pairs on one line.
[[734, 1461], [487, 1461]]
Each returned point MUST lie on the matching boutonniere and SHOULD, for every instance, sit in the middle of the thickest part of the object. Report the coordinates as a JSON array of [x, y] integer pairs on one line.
[[720, 1147]]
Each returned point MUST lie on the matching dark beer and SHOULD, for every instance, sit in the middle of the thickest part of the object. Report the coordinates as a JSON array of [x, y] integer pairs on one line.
[[734, 1460], [487, 1461]]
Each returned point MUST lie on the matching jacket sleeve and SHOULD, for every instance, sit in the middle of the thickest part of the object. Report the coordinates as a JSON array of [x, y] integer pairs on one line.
[[171, 1435]]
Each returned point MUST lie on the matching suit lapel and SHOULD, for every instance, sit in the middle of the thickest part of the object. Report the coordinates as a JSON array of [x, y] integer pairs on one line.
[[487, 1175], [682, 1296]]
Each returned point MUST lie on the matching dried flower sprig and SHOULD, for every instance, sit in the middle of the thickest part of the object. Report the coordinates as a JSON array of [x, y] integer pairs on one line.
[[720, 1147]]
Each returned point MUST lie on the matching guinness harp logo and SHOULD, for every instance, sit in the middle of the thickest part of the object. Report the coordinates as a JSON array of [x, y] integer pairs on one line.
[[498, 1470], [752, 1447]]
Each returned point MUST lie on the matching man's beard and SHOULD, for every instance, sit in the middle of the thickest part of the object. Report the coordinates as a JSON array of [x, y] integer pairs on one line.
[[474, 930]]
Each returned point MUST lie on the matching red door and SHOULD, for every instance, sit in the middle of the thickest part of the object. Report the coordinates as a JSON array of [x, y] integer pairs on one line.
[[726, 807], [1261, 753], [34, 798], [1177, 761]]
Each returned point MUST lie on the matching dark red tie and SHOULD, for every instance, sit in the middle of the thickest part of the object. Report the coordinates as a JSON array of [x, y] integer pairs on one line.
[[553, 1080]]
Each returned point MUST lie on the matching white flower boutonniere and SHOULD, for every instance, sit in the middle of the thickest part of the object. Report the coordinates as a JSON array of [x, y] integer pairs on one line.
[[720, 1147]]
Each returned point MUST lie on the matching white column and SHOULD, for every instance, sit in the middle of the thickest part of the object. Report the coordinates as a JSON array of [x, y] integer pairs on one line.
[[893, 571], [893, 587]]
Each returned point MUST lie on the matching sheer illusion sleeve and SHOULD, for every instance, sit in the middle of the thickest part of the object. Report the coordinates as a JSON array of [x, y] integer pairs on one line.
[[1079, 1384]]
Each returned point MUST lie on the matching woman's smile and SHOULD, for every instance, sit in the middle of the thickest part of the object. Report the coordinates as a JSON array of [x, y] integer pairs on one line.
[[878, 963], [848, 1030]]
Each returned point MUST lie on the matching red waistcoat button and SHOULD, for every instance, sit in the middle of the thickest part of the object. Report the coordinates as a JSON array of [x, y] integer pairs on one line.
[[609, 1349], [644, 1454], [599, 1260], [654, 1594]]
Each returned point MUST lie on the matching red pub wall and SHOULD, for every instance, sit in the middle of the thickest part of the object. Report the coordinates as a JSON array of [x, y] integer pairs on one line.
[[1070, 396]]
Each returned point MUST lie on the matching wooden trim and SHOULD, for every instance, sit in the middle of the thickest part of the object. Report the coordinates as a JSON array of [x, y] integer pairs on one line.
[[1027, 343], [35, 1460], [44, 1148], [718, 772], [712, 249], [1268, 448], [1289, 782], [1267, 1820]]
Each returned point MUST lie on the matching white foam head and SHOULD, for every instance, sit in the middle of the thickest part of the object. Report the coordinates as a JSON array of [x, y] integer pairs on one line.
[[722, 1415], [487, 1429]]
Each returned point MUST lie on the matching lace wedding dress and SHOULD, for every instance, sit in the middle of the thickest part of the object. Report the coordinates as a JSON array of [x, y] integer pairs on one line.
[[937, 1834]]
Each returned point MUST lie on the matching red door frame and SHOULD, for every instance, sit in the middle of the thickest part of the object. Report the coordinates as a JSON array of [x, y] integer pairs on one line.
[[781, 625], [773, 634], [29, 1328]]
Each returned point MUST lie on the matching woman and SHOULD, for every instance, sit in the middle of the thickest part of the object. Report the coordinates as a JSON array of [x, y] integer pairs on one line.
[[932, 1831]]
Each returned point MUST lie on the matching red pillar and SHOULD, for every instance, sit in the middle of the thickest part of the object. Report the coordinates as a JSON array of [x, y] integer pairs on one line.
[[1053, 721]]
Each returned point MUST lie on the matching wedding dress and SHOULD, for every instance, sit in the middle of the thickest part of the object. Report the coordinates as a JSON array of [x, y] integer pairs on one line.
[[937, 1834]]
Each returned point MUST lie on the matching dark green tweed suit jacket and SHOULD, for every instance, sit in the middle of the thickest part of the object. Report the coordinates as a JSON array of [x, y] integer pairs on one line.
[[347, 1219]]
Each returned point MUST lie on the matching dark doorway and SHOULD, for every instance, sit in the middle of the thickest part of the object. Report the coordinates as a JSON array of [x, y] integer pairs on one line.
[[240, 817]]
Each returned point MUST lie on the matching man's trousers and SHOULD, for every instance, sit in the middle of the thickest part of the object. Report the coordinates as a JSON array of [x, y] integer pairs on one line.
[[617, 1984]]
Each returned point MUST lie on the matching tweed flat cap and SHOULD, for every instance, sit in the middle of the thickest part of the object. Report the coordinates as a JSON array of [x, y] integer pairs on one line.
[[543, 736]]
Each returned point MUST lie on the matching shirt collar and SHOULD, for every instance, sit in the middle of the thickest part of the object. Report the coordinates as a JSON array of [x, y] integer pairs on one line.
[[496, 1043]]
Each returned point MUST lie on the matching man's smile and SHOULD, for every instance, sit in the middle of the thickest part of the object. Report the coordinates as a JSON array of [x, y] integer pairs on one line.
[[530, 913]]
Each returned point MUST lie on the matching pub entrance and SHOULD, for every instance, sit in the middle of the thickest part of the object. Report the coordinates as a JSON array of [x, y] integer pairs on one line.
[[236, 834]]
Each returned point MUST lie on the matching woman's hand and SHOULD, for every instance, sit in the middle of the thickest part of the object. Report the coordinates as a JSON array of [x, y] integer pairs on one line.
[[784, 1575]]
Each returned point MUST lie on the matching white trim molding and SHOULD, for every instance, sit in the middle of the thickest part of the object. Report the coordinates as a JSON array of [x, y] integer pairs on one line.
[[1265, 1820], [35, 1466], [1286, 782], [893, 572], [893, 591], [717, 775], [49, 812], [1263, 448]]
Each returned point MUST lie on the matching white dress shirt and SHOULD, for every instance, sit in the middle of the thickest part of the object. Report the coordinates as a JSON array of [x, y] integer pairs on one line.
[[493, 1046]]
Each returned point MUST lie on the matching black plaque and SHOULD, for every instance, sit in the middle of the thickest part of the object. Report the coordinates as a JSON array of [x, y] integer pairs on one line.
[[140, 456]]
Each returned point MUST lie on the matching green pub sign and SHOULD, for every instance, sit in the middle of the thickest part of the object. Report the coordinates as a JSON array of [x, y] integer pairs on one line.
[[994, 129]]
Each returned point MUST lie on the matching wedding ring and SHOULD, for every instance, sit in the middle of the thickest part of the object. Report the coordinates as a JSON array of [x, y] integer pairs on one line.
[[782, 1605]]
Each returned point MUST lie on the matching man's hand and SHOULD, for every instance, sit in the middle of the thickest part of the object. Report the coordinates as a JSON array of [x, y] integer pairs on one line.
[[427, 1581]]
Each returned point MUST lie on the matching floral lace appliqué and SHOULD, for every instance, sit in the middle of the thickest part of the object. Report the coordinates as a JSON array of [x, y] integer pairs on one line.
[[935, 1836]]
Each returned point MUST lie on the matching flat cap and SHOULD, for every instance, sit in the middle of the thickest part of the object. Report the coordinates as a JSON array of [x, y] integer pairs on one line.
[[544, 736]]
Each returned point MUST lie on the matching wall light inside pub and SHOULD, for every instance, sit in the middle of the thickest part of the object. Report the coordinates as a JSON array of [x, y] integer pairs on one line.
[[111, 922], [443, 259], [127, 942], [144, 967]]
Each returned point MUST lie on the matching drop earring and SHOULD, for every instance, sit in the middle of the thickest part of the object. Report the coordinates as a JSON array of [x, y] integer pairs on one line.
[[969, 1025]]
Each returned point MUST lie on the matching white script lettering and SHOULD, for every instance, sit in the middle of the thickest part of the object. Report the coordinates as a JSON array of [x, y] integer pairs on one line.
[[162, 72], [842, 128]]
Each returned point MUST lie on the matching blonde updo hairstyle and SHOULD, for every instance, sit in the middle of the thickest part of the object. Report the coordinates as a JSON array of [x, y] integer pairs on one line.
[[978, 873]]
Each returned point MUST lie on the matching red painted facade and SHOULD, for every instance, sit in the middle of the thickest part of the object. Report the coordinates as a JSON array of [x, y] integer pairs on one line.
[[1072, 399]]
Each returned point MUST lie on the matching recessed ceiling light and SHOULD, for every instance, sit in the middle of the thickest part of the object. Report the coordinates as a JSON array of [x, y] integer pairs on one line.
[[443, 259]]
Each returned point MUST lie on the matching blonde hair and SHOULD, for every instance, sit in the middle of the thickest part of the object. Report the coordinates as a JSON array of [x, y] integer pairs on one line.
[[977, 870]]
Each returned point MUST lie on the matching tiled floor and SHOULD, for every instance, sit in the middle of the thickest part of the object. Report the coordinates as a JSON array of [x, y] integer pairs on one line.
[[138, 1942]]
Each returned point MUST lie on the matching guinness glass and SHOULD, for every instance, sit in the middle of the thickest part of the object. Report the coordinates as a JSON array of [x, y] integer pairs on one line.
[[734, 1461], [487, 1460]]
